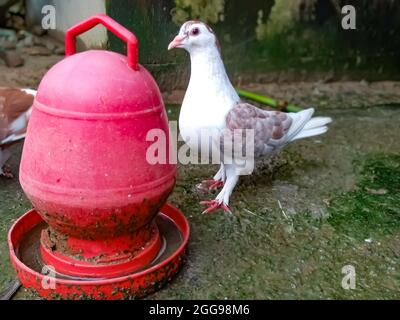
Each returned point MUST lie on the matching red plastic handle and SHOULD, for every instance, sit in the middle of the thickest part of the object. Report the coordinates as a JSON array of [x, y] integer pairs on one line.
[[110, 24]]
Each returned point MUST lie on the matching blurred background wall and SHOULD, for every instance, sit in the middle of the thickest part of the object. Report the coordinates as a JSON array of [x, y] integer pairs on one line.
[[262, 40], [268, 40]]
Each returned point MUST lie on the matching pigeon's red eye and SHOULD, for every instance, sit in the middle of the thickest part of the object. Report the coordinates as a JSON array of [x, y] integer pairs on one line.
[[195, 31]]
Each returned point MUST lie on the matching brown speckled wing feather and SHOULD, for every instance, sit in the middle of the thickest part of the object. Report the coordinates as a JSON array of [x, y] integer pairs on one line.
[[13, 103], [270, 127]]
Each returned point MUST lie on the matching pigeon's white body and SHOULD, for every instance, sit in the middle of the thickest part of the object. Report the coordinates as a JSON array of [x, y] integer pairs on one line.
[[212, 104], [209, 97]]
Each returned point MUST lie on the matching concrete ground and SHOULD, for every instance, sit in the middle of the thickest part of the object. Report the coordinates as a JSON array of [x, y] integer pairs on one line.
[[324, 203]]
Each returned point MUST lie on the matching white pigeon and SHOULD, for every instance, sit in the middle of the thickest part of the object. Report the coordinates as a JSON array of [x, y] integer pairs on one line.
[[15, 111], [211, 103]]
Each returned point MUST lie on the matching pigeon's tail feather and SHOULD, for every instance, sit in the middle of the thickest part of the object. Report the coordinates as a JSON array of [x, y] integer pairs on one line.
[[305, 126], [317, 122], [299, 120], [310, 133]]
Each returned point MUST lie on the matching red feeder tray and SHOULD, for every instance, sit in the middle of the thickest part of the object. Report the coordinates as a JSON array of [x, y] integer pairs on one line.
[[24, 244], [97, 223]]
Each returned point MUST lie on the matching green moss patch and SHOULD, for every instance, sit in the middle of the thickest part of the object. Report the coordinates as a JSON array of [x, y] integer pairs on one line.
[[374, 207]]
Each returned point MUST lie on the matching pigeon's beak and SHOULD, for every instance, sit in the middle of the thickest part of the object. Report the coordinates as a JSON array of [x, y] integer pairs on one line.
[[178, 41]]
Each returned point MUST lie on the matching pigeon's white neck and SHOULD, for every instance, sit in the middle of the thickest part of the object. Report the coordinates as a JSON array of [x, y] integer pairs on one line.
[[208, 68], [208, 74], [210, 95]]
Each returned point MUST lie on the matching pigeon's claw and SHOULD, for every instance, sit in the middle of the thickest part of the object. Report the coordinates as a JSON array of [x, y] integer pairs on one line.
[[214, 205], [211, 184]]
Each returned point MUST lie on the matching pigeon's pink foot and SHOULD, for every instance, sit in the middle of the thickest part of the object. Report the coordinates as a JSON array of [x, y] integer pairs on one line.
[[214, 205], [211, 184], [6, 173]]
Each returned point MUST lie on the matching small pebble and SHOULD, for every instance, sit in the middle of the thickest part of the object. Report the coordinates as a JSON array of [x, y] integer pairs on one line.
[[38, 30], [12, 59]]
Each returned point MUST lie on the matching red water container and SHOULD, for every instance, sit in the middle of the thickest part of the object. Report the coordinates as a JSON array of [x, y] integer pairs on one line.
[[84, 163]]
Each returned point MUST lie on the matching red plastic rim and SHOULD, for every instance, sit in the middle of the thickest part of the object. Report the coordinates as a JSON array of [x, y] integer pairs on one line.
[[72, 267], [126, 287]]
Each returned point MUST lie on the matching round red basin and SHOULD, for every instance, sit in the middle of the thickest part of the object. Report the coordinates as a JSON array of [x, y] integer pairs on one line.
[[24, 245]]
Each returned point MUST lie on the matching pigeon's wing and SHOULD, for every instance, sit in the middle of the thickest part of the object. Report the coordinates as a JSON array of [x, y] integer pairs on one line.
[[13, 104], [270, 127]]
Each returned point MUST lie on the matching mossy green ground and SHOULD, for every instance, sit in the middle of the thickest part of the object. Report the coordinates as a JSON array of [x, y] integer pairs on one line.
[[324, 203]]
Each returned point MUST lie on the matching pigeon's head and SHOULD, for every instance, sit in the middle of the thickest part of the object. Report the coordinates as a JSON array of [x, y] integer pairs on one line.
[[195, 35]]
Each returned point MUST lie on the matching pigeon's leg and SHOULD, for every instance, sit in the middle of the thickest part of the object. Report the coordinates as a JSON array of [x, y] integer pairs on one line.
[[216, 182], [220, 176], [5, 154], [222, 200]]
